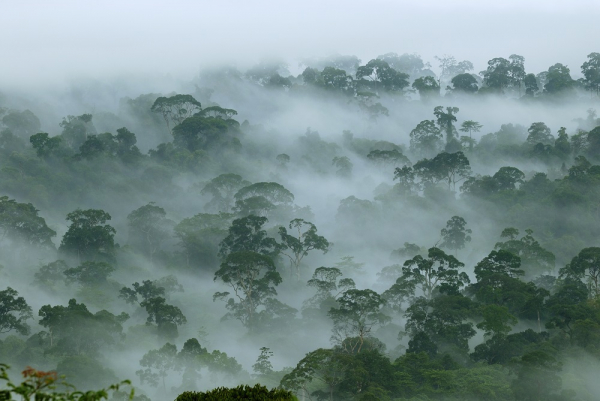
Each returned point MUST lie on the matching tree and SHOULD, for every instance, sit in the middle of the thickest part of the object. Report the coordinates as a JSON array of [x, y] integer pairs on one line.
[[88, 237], [591, 72], [74, 330], [497, 320], [539, 133], [147, 290], [517, 70], [198, 133], [455, 235], [344, 166], [534, 257], [241, 392], [537, 377], [427, 86], [450, 167], [253, 278], [507, 178], [465, 83], [436, 273], [246, 234], [22, 124], [558, 79], [76, 130], [337, 80], [562, 146], [166, 317], [14, 312], [283, 159], [275, 193], [89, 273], [586, 265], [406, 180], [329, 285], [148, 228], [304, 240], [499, 262], [388, 157], [449, 67], [497, 76], [263, 364], [426, 138], [470, 126], [411, 64], [162, 360], [218, 112], [222, 189], [40, 385], [324, 366], [200, 235], [175, 109], [443, 320], [445, 121], [358, 313], [44, 145], [20, 221], [378, 76], [531, 86]]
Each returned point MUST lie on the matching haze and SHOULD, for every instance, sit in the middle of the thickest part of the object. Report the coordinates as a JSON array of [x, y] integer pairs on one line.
[[48, 41]]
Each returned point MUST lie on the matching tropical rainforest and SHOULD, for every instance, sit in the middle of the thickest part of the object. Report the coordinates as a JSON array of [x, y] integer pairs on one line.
[[385, 229]]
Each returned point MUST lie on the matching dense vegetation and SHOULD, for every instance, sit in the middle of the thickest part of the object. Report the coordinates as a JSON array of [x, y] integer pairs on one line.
[[198, 239]]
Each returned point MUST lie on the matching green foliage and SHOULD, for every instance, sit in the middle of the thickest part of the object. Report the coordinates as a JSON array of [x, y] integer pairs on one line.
[[436, 273], [252, 277], [426, 139], [20, 221], [200, 236], [148, 228], [88, 237], [377, 75], [359, 311], [303, 240], [74, 330], [534, 258], [427, 86], [464, 83], [222, 189], [244, 392], [455, 235], [205, 133], [246, 234], [89, 273], [263, 365], [175, 109], [39, 385], [14, 312]]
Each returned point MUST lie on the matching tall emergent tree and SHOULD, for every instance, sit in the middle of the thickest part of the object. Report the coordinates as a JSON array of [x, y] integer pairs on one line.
[[438, 272], [88, 237], [253, 278], [299, 244], [175, 109], [446, 120], [14, 311], [586, 265], [455, 235], [591, 72], [358, 313], [20, 221], [148, 228]]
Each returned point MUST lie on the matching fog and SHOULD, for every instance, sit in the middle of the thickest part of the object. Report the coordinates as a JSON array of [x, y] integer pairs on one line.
[[93, 69], [50, 43]]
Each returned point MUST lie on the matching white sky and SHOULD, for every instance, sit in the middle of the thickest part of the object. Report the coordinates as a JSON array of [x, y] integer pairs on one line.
[[54, 40]]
